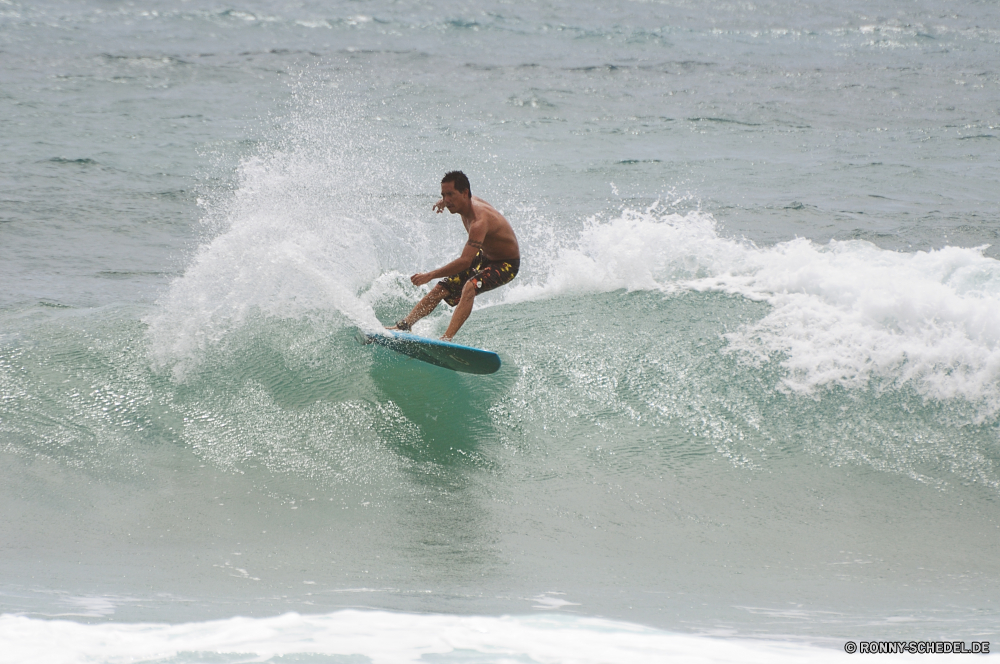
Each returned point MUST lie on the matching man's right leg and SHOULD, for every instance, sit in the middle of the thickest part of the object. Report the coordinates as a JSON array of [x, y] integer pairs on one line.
[[425, 306]]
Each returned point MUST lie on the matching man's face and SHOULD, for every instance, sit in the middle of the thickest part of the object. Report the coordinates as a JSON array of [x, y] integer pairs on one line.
[[453, 198]]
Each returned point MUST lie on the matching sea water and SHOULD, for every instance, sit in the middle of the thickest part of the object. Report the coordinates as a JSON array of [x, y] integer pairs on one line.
[[749, 406]]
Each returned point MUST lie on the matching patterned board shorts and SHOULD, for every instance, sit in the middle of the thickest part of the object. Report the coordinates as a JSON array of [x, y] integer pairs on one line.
[[488, 275]]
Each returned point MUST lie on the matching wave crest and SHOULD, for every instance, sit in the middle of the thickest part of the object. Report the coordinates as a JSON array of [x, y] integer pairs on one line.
[[842, 313]]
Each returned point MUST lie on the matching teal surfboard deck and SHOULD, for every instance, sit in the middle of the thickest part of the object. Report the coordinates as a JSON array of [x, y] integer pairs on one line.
[[433, 351]]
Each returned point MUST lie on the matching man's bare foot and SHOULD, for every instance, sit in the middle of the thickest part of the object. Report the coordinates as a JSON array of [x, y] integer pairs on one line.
[[401, 326], [446, 338]]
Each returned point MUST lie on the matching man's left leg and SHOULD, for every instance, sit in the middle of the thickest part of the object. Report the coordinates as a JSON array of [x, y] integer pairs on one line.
[[462, 310], [426, 305]]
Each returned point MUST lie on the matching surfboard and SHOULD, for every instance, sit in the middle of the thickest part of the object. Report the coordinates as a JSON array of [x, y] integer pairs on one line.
[[456, 357]]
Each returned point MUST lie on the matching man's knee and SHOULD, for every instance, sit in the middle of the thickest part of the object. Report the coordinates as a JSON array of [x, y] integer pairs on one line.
[[469, 290]]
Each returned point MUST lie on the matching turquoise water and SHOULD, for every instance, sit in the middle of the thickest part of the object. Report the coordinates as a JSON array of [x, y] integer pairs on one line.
[[751, 365]]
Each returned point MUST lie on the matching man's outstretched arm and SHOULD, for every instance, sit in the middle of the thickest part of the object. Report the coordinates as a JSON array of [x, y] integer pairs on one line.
[[439, 206], [477, 233]]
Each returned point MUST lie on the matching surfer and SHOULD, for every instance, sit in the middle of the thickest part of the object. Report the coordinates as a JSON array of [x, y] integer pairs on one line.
[[490, 258]]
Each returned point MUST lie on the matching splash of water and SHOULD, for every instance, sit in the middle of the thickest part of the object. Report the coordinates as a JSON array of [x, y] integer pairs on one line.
[[301, 235]]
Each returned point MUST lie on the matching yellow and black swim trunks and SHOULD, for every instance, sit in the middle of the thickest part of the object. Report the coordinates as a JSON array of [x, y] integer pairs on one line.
[[488, 275]]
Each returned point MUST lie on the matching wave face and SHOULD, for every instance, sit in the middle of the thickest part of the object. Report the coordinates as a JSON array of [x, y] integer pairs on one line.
[[751, 364]]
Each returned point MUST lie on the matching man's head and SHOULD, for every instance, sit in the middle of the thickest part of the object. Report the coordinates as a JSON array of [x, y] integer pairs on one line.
[[458, 179], [456, 192]]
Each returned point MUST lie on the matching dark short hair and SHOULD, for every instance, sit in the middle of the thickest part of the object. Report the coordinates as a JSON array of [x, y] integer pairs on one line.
[[458, 179]]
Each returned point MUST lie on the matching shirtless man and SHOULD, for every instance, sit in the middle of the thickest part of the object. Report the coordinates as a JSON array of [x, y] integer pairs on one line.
[[489, 259]]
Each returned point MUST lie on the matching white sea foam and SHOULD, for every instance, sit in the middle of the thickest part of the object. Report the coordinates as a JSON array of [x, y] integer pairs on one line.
[[297, 237], [385, 638], [843, 313]]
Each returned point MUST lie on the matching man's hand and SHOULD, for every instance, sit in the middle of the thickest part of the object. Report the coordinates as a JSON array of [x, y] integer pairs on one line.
[[420, 279], [439, 206]]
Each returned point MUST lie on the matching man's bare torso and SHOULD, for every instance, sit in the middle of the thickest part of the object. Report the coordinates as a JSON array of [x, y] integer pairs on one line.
[[500, 242]]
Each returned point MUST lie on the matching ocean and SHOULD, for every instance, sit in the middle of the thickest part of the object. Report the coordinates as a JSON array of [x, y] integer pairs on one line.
[[749, 407]]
